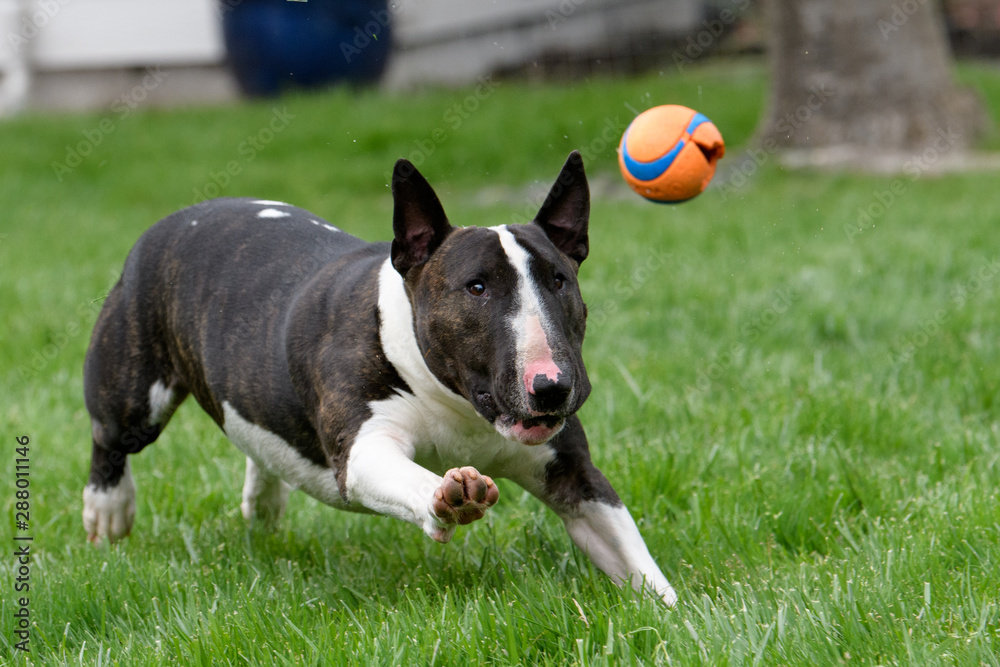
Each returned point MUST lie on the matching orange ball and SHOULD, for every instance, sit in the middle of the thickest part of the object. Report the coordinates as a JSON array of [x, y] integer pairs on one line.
[[668, 153]]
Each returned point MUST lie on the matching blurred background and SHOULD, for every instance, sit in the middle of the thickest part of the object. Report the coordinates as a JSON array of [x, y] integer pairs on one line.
[[81, 54]]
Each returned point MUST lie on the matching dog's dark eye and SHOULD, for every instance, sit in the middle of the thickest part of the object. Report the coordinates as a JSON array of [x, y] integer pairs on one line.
[[560, 281], [476, 288]]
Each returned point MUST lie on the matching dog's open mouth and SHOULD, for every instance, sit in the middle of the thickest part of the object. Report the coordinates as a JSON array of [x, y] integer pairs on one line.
[[534, 430], [549, 421], [531, 431]]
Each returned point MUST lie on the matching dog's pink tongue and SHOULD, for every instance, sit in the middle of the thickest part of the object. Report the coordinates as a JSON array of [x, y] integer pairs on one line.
[[533, 435]]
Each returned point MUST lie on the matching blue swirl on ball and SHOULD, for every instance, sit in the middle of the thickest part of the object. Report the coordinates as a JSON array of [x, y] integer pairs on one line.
[[650, 171]]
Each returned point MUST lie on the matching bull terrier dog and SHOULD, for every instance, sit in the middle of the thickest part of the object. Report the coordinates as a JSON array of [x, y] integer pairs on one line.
[[396, 378]]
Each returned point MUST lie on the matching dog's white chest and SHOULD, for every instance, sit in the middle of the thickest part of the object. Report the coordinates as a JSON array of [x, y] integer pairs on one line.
[[278, 457]]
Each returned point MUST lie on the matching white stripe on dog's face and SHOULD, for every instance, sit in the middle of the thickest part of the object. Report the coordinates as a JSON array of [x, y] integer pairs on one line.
[[529, 322]]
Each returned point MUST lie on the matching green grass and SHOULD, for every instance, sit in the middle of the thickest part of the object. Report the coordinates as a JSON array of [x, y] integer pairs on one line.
[[802, 416]]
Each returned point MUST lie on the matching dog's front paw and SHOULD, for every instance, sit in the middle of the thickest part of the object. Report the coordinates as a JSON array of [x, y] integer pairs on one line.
[[463, 497]]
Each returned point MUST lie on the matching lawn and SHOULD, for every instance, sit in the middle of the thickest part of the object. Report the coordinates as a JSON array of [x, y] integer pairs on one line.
[[795, 392]]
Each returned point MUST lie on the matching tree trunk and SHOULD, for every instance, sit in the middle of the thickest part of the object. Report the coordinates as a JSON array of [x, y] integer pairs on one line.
[[864, 77]]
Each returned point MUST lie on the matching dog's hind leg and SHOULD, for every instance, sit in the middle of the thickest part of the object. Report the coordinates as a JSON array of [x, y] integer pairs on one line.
[[130, 395], [118, 431], [264, 495]]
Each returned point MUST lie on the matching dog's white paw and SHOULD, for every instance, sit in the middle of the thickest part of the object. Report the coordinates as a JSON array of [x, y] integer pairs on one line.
[[108, 513]]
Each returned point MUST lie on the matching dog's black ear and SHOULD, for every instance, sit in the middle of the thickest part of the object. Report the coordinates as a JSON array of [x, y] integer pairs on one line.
[[418, 219], [566, 212]]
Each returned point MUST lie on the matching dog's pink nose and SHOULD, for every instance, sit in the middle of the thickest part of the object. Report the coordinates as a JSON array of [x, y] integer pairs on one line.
[[540, 372], [549, 390]]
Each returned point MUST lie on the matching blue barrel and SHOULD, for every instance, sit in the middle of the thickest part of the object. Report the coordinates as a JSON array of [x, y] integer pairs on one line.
[[274, 45]]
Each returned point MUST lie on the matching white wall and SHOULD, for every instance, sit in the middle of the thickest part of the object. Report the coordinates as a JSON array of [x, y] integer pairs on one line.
[[455, 41], [82, 53], [95, 34]]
